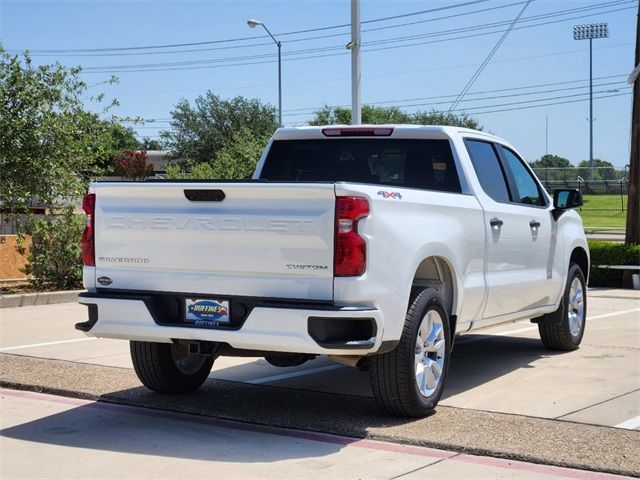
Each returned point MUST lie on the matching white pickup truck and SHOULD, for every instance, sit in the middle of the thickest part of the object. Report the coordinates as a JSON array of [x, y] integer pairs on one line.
[[373, 245]]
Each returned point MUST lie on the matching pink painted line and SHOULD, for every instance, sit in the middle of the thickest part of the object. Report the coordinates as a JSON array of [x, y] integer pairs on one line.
[[535, 468], [317, 436]]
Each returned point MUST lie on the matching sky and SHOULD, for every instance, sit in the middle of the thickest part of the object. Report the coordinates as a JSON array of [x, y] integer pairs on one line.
[[417, 55]]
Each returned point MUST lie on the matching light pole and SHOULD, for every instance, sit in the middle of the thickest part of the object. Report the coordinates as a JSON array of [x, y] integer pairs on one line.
[[254, 24], [589, 32]]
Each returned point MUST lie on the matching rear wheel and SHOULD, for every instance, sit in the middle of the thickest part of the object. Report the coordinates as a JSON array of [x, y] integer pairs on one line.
[[168, 367], [567, 330], [409, 380]]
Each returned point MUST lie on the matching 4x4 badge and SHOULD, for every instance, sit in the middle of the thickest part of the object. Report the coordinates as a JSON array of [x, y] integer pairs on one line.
[[395, 195]]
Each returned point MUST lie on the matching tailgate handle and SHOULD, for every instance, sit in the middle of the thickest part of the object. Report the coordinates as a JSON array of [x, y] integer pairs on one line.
[[204, 195]]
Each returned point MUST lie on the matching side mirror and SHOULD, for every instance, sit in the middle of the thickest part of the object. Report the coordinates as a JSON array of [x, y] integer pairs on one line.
[[565, 199]]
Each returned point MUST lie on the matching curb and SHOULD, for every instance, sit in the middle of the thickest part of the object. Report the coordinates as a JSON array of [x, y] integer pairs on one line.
[[40, 298]]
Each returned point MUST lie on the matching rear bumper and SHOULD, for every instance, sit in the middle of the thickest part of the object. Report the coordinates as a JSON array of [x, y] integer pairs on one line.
[[298, 328]]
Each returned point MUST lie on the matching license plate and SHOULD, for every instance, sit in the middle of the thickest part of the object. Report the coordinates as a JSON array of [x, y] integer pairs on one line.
[[207, 312]]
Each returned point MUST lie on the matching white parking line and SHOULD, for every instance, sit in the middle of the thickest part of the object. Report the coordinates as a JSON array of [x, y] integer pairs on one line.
[[613, 314], [46, 344], [298, 373], [464, 341], [629, 424]]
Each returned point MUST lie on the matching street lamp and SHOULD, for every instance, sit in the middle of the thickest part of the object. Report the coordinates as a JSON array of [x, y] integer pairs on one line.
[[254, 24], [589, 32]]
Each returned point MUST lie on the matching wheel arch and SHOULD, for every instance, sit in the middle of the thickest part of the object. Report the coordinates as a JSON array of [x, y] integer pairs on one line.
[[580, 257], [438, 273]]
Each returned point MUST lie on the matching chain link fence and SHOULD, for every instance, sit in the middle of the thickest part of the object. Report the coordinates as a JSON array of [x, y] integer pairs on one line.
[[607, 192]]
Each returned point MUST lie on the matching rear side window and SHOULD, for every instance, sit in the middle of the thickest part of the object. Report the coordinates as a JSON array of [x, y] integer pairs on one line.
[[527, 188], [426, 164], [489, 171]]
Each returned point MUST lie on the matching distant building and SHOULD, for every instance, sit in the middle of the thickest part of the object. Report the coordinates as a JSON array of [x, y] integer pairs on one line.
[[160, 159]]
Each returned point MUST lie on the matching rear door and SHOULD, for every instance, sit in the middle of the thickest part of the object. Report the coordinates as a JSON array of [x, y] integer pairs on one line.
[[519, 237], [242, 239]]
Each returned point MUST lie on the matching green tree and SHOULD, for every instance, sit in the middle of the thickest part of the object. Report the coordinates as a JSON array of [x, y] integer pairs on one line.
[[48, 140], [551, 161], [238, 159], [150, 144], [119, 138], [370, 114], [553, 168], [435, 117], [200, 131], [602, 170], [375, 115]]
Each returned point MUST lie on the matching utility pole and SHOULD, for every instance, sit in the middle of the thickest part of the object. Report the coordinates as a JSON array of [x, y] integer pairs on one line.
[[354, 46], [633, 199], [546, 135]]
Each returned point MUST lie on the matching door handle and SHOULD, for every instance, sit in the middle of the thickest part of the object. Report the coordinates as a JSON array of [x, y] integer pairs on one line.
[[534, 224], [496, 223]]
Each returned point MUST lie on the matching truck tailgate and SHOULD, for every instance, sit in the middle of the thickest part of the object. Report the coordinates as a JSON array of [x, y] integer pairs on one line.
[[260, 240]]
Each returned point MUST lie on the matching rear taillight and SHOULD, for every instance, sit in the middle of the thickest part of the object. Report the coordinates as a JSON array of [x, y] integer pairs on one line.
[[88, 238], [350, 256]]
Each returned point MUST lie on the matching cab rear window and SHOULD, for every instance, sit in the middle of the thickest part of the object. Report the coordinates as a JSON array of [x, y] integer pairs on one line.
[[425, 164]]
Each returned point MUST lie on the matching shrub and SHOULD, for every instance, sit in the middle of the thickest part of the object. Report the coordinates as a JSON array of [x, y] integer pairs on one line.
[[609, 253], [54, 259], [174, 172], [199, 171], [132, 165], [202, 171]]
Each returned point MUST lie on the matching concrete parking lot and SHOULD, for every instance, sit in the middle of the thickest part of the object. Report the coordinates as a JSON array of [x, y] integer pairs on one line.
[[503, 370]]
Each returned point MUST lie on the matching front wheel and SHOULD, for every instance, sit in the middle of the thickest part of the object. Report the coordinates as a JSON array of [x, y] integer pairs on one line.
[[168, 367], [409, 380], [566, 330]]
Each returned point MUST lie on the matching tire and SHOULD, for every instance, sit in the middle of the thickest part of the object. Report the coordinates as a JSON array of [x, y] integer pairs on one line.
[[395, 375], [566, 329], [168, 368]]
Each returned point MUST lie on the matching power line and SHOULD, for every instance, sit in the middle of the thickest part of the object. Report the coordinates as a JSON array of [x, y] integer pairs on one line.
[[308, 111], [522, 27], [515, 88], [526, 107], [230, 40], [552, 103], [293, 40], [534, 102], [531, 18], [488, 59], [402, 104], [387, 74], [226, 47], [302, 54], [479, 99]]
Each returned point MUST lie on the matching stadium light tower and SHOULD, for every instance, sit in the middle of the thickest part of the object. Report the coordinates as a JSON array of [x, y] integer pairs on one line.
[[590, 32]]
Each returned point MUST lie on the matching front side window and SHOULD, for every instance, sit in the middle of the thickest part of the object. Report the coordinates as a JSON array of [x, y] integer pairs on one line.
[[527, 190], [488, 169], [425, 164]]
